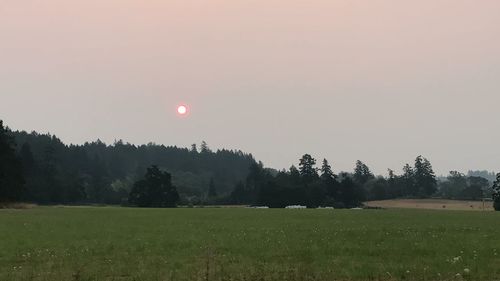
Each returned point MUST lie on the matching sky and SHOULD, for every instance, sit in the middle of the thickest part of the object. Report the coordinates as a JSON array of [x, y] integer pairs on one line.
[[382, 81]]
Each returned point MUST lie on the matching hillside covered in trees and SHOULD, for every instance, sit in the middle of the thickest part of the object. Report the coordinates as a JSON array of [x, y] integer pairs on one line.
[[99, 173]]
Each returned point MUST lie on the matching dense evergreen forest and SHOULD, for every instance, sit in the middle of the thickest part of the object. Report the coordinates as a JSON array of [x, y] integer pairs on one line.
[[40, 168], [98, 173]]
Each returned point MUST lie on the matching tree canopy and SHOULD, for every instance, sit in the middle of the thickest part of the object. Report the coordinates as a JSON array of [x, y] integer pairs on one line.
[[95, 172], [155, 190]]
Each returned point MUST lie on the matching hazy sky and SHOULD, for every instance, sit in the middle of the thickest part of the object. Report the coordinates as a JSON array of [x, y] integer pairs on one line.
[[380, 80]]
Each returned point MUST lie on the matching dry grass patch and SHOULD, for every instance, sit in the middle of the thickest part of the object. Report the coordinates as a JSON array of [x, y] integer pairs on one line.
[[17, 206], [433, 204]]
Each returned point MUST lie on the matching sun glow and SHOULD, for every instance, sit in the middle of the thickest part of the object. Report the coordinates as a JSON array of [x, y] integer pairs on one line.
[[182, 110]]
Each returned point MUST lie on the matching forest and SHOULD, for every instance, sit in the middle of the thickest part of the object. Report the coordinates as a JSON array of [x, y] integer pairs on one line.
[[98, 173], [40, 168]]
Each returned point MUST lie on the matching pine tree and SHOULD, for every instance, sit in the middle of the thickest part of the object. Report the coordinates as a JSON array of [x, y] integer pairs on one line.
[[194, 148], [11, 173], [362, 173], [425, 179], [204, 147], [329, 181], [307, 170], [294, 173], [327, 174]]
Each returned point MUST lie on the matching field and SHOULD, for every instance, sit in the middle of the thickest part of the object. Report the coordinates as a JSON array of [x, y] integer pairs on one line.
[[433, 204], [50, 243]]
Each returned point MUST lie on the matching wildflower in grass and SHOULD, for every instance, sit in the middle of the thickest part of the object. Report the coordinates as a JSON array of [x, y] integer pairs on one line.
[[456, 259]]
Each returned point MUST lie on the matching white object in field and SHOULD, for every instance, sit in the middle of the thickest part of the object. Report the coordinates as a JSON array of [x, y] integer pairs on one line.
[[357, 208], [296, 207], [326, 208]]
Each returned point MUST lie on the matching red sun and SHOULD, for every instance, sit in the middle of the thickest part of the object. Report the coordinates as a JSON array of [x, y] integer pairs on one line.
[[182, 109]]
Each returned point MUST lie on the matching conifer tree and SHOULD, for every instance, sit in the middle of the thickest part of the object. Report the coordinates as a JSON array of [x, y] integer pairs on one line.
[[362, 173], [327, 174], [425, 179], [307, 168], [11, 173]]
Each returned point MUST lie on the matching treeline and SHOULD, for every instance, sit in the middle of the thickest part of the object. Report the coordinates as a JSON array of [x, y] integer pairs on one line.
[[462, 187], [56, 173], [313, 186], [40, 168]]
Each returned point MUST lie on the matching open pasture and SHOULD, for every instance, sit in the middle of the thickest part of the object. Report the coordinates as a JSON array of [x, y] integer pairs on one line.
[[433, 204], [56, 244]]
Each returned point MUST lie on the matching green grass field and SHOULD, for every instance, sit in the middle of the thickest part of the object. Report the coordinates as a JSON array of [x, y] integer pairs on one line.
[[50, 243]]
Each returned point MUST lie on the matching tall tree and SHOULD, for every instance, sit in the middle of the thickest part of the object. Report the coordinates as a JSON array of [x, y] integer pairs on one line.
[[496, 193], [155, 190], [329, 180], [455, 185], [394, 186], [425, 179], [408, 181], [327, 174], [11, 173], [362, 173], [307, 168], [204, 147], [194, 148]]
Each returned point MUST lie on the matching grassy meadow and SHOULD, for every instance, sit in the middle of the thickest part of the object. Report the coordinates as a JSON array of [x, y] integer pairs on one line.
[[51, 243]]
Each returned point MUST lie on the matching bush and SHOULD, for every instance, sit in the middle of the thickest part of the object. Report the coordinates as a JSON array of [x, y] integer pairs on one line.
[[17, 206], [496, 193], [496, 205]]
